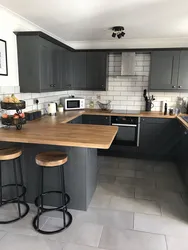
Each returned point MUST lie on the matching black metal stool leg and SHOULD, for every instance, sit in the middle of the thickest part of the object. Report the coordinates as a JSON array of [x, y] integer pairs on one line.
[[40, 205], [1, 192], [17, 191], [21, 176], [62, 183]]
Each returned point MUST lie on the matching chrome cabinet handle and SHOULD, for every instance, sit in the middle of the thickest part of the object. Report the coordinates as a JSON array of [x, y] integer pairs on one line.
[[179, 87], [51, 85], [173, 87]]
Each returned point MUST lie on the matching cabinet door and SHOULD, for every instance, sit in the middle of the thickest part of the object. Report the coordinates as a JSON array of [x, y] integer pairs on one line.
[[67, 74], [183, 71], [96, 119], [57, 67], [164, 70], [79, 70], [96, 70], [46, 70]]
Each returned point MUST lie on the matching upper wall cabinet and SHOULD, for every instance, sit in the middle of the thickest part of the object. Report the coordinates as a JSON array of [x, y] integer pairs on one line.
[[169, 71], [96, 70], [89, 70], [43, 65]]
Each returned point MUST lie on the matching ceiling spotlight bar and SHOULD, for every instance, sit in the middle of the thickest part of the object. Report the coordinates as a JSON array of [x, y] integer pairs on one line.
[[118, 31]]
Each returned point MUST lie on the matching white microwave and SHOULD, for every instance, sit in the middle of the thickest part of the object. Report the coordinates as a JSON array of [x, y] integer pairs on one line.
[[73, 103]]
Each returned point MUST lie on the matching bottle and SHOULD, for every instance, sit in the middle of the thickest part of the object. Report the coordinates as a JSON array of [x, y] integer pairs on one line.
[[165, 109]]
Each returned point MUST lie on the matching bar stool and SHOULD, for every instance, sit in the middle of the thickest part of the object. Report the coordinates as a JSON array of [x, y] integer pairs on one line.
[[6, 155], [51, 160]]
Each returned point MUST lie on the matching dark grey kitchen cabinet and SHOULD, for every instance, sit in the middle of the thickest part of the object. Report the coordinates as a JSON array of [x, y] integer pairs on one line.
[[183, 71], [96, 70], [96, 119], [157, 137], [180, 151], [78, 70], [42, 65], [164, 70]]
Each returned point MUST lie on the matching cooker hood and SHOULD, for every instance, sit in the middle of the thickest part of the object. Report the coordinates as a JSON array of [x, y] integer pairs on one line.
[[128, 64]]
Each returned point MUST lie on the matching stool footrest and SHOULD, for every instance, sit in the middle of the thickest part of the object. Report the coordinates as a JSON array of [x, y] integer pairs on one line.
[[67, 200], [22, 215], [15, 198]]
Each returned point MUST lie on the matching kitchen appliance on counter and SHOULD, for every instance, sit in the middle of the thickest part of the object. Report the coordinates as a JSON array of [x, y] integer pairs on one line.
[[52, 108], [129, 130], [73, 103]]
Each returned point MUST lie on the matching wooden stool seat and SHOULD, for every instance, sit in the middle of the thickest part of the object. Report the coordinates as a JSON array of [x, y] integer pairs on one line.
[[51, 159], [10, 153]]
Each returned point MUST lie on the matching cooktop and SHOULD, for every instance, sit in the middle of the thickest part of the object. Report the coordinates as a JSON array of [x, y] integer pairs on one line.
[[119, 111]]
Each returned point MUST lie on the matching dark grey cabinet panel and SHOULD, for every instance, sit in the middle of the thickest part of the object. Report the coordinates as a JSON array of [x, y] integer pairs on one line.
[[164, 70], [79, 70], [96, 70], [157, 137], [183, 71], [42, 65], [96, 119]]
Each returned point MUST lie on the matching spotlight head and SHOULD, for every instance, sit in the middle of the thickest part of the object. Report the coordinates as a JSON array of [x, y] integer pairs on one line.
[[118, 31], [119, 35], [122, 33], [114, 34]]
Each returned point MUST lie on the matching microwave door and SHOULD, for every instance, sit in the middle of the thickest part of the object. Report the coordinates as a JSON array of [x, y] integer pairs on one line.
[[73, 104]]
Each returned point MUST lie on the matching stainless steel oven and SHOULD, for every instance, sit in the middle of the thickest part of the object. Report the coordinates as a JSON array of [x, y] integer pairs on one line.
[[128, 132]]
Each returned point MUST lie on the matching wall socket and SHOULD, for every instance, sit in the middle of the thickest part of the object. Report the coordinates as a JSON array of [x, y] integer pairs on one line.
[[35, 101]]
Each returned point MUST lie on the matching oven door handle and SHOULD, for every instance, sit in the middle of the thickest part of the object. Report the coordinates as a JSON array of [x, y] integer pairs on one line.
[[124, 125]]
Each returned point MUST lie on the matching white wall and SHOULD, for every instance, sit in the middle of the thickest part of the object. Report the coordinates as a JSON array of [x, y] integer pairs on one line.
[[8, 24]]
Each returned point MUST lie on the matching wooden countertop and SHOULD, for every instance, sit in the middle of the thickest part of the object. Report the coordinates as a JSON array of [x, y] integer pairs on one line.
[[152, 114], [54, 131]]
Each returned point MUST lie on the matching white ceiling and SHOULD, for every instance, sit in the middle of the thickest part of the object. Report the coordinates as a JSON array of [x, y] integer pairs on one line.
[[87, 22]]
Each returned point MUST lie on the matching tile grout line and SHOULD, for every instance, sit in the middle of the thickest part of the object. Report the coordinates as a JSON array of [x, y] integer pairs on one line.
[[100, 236], [4, 235], [166, 242]]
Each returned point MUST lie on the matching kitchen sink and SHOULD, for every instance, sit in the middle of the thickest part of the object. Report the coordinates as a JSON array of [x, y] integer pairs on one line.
[[185, 117]]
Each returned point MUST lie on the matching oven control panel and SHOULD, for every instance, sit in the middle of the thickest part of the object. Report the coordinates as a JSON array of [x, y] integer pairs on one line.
[[124, 119]]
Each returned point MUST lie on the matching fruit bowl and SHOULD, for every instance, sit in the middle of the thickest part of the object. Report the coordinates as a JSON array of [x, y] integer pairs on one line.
[[13, 106], [10, 120]]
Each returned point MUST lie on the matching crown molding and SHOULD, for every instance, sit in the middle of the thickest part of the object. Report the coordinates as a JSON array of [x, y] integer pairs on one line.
[[180, 42]]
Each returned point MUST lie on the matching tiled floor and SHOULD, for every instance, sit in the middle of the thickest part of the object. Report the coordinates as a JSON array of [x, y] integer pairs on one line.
[[138, 205]]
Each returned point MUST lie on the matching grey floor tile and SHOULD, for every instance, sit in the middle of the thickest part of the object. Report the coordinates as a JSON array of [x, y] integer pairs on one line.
[[156, 195], [135, 182], [127, 163], [135, 205], [2, 234], [185, 198], [113, 238], [108, 165], [160, 225], [165, 167], [72, 246], [170, 185], [83, 233], [174, 243], [23, 242], [175, 210], [100, 200], [115, 190], [106, 178], [117, 172], [145, 165], [145, 174], [23, 226], [118, 219]]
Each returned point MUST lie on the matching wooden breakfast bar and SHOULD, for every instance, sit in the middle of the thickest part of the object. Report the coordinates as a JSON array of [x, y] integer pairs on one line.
[[79, 141]]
